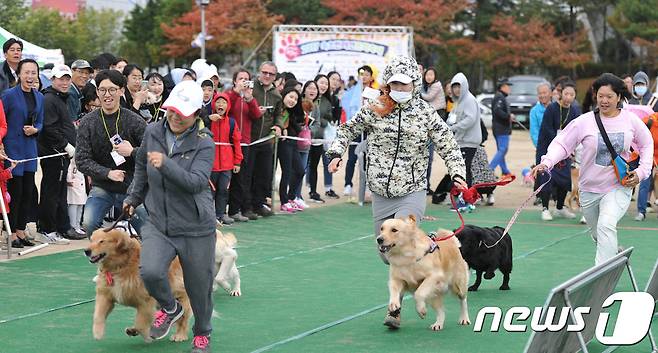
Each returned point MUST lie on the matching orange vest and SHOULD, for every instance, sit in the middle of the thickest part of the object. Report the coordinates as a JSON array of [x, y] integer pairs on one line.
[[652, 124]]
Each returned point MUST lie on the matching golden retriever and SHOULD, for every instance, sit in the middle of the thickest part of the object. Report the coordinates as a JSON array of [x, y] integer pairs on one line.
[[117, 256], [226, 272], [573, 198], [419, 267]]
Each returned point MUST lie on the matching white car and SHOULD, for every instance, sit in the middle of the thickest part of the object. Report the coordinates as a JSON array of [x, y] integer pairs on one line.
[[484, 101]]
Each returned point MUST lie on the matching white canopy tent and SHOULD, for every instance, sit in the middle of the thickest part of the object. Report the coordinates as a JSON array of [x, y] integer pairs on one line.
[[32, 51]]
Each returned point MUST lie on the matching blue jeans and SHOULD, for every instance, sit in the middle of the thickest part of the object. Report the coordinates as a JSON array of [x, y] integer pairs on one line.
[[502, 144], [643, 194], [303, 155], [99, 204]]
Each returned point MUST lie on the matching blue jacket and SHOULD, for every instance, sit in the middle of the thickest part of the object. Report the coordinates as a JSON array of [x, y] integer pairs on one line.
[[17, 144], [536, 117]]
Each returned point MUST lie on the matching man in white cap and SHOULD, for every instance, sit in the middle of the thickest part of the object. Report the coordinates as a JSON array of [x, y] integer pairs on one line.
[[57, 136], [172, 170]]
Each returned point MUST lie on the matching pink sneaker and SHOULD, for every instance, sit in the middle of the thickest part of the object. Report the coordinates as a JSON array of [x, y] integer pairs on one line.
[[296, 205], [288, 208]]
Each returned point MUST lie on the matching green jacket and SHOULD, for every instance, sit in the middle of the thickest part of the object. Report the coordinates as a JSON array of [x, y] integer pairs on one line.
[[266, 97]]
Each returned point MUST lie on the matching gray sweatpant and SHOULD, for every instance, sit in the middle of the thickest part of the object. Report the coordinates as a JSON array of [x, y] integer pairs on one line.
[[197, 258], [384, 208], [602, 212]]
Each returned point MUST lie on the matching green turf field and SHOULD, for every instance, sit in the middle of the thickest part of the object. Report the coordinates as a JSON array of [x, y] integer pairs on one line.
[[313, 282]]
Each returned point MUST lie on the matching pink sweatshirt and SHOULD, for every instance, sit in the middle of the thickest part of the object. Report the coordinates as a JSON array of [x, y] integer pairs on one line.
[[596, 172]]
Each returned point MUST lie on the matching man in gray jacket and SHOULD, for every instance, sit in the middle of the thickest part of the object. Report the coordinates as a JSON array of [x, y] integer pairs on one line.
[[464, 121], [172, 169]]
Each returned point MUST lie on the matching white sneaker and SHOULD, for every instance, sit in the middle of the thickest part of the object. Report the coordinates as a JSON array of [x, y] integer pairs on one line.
[[583, 220], [640, 217], [546, 215], [53, 238], [565, 213], [490, 200], [347, 191]]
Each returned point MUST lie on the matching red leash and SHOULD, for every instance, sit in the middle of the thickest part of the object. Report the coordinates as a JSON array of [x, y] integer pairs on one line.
[[471, 195]]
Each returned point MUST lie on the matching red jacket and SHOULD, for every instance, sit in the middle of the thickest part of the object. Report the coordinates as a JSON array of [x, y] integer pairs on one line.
[[5, 174], [243, 113], [225, 156]]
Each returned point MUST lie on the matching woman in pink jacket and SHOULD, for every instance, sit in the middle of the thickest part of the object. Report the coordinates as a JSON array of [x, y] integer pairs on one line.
[[603, 199]]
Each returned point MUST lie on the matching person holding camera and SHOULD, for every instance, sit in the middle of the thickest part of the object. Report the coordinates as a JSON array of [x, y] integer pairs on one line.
[[244, 110], [108, 139], [270, 105]]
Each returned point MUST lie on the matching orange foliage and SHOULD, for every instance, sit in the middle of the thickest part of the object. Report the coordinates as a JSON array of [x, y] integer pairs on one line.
[[234, 24], [514, 44], [429, 18]]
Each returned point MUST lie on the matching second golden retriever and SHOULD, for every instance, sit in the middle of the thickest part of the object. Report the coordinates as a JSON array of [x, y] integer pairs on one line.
[[117, 256], [425, 268]]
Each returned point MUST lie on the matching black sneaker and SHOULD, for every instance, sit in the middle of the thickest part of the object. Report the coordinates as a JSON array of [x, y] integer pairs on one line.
[[25, 241], [315, 197], [201, 344], [163, 321], [16, 243], [73, 235], [251, 215], [331, 194], [264, 211]]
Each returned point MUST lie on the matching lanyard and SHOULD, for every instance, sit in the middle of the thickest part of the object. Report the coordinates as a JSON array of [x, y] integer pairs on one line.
[[116, 127], [566, 118]]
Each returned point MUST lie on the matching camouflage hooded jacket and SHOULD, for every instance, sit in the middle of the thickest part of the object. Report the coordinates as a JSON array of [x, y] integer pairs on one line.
[[398, 143]]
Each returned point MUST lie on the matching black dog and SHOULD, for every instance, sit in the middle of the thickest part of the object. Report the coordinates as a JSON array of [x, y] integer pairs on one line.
[[474, 241]]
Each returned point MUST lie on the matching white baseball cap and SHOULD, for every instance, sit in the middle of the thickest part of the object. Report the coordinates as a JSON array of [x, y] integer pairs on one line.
[[402, 78], [185, 99], [61, 70]]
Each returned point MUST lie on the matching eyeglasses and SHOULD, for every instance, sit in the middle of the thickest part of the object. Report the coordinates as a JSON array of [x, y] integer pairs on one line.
[[112, 91], [265, 73]]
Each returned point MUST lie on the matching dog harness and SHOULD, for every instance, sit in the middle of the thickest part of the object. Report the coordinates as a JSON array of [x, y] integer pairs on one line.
[[433, 246]]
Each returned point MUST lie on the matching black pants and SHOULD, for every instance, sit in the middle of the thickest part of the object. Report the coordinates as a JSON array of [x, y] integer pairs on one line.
[[261, 159], [352, 158], [292, 170], [468, 153], [558, 193], [221, 180], [240, 190], [53, 214], [21, 189]]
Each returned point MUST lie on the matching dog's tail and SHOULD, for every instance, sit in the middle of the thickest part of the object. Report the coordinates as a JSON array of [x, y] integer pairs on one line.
[[230, 239], [450, 243]]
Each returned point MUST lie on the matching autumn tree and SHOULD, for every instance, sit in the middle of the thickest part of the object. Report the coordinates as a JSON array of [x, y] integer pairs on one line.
[[233, 25], [513, 45], [430, 19]]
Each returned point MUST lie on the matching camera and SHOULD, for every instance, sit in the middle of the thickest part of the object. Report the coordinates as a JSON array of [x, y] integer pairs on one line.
[[116, 139], [249, 84]]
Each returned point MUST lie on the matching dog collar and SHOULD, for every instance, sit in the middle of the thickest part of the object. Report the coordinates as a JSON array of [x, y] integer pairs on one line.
[[108, 278]]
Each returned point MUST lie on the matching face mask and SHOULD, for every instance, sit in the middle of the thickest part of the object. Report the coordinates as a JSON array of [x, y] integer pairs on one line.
[[400, 97], [640, 90]]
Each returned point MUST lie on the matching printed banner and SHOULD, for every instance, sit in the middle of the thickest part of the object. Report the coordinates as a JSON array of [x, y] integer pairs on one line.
[[307, 54]]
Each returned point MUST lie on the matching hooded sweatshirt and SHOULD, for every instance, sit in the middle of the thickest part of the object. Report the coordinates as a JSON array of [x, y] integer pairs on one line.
[[398, 143], [226, 157], [648, 98], [58, 130], [467, 130]]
